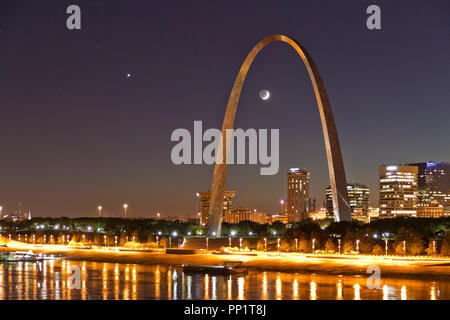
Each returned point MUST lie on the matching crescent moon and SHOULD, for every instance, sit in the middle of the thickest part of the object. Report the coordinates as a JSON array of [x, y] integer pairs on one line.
[[264, 94]]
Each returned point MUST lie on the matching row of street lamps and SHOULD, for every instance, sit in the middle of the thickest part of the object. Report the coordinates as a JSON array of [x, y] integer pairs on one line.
[[124, 206]]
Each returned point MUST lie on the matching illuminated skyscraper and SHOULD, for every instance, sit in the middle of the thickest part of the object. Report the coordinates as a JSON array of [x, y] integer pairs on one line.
[[298, 194], [398, 191], [358, 196], [433, 188], [204, 204]]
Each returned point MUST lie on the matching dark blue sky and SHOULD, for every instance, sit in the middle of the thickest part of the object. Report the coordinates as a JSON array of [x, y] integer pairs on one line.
[[75, 132]]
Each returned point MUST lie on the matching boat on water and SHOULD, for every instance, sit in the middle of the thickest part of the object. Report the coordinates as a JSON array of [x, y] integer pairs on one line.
[[228, 268], [21, 256]]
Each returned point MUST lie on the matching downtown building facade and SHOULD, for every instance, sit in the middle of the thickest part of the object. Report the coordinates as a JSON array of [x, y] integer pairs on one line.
[[415, 190], [433, 180], [297, 203], [398, 191], [358, 196], [244, 214], [204, 198]]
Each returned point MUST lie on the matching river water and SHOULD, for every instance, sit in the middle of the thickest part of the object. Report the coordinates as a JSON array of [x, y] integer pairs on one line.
[[114, 281]]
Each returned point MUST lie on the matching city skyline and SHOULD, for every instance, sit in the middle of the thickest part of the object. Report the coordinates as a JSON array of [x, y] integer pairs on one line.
[[91, 125]]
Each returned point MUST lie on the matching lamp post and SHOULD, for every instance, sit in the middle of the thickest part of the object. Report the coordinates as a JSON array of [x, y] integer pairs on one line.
[[104, 240], [278, 244], [115, 240], [207, 243], [313, 244], [404, 247], [125, 206], [158, 215], [386, 246], [434, 247], [357, 246], [339, 245], [296, 244], [229, 242], [99, 208], [240, 243], [265, 244]]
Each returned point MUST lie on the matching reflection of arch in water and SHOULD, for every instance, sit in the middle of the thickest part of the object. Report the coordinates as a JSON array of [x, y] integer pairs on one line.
[[338, 182]]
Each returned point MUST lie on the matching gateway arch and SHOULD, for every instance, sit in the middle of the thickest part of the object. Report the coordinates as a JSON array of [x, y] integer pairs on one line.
[[341, 207]]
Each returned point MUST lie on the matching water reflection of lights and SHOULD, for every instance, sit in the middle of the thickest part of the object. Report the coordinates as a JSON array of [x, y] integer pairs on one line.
[[206, 287], [49, 280], [175, 284], [214, 287], [433, 291], [385, 292], [403, 293], [295, 288], [264, 285], [357, 288], [339, 290], [313, 288], [229, 288], [157, 282], [278, 288], [189, 287], [241, 282], [169, 284]]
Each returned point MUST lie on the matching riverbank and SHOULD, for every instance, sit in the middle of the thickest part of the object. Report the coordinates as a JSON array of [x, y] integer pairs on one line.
[[411, 268]]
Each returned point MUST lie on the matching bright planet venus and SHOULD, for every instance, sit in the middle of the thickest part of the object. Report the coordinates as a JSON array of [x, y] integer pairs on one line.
[[264, 95]]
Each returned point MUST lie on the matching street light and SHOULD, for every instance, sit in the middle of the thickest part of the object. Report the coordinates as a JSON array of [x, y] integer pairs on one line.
[[125, 206], [386, 246], [404, 247], [296, 243], [158, 215], [229, 242], [339, 245], [357, 245], [278, 244], [207, 244], [265, 244], [99, 211], [240, 243]]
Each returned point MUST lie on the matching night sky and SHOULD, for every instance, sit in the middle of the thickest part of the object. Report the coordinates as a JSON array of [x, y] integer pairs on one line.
[[76, 132]]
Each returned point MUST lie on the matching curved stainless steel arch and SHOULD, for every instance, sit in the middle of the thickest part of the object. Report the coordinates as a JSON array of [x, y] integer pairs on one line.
[[341, 208]]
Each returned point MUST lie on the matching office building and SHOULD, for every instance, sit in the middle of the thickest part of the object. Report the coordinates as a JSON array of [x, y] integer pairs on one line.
[[204, 204], [298, 194], [398, 191]]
